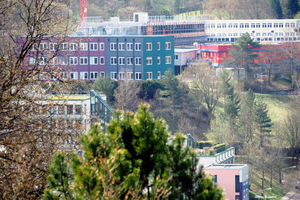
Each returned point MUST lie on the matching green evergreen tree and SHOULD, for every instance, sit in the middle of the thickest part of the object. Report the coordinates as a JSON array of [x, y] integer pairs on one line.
[[277, 8], [262, 120], [247, 116], [293, 8]]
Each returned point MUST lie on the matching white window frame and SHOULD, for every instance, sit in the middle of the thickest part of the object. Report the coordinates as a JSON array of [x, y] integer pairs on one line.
[[149, 60], [82, 75], [138, 46], [264, 25], [113, 60], [121, 60], [102, 74], [235, 25], [43, 60], [83, 46], [148, 46], [158, 60], [168, 60], [230, 25], [138, 75], [129, 46], [73, 60], [113, 75], [75, 75], [121, 75], [130, 75], [31, 60], [287, 25], [158, 46], [168, 46], [63, 46], [137, 59], [101, 46], [84, 58], [102, 60], [275, 25], [53, 61], [93, 75], [121, 46], [93, 60], [176, 57], [113, 46], [149, 76], [158, 74], [53, 47], [73, 46], [129, 61], [63, 61], [43, 46]]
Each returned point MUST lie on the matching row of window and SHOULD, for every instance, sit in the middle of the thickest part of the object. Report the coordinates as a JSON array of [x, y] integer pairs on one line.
[[252, 25], [256, 34], [138, 75], [256, 39], [94, 60], [72, 75], [94, 46]]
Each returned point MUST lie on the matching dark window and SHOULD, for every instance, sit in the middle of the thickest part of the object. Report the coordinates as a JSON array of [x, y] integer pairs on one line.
[[237, 183], [237, 197], [216, 178], [70, 109]]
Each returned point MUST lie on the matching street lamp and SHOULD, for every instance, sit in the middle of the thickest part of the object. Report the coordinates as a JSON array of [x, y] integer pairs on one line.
[[265, 197], [272, 31], [291, 167], [253, 32]]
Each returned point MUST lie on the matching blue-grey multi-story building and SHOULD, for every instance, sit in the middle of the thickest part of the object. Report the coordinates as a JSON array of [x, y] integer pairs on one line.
[[139, 57]]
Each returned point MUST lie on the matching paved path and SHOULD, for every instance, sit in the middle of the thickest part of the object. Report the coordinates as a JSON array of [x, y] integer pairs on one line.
[[293, 195]]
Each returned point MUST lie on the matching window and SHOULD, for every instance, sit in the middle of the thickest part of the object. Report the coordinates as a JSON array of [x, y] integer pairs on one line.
[[149, 46], [121, 75], [93, 46], [63, 46], [257, 34], [53, 46], [101, 45], [158, 60], [78, 109], [33, 47], [102, 60], [53, 61], [280, 25], [83, 46], [138, 60], [168, 59], [207, 25], [69, 109], [252, 25], [237, 197], [264, 25], [235, 34], [83, 75], [246, 25], [63, 60], [94, 60], [293, 25], [275, 25], [229, 34], [216, 179], [241, 34], [94, 75], [73, 61], [129, 46], [73, 47], [43, 60], [83, 60], [73, 75], [241, 25], [121, 46], [138, 75], [218, 25], [31, 60], [148, 60], [149, 75], [43, 46], [138, 46], [257, 25], [237, 183], [168, 45], [287, 25], [113, 60], [121, 60], [102, 74], [113, 75], [130, 75], [158, 46], [229, 25], [223, 25], [269, 25], [176, 56], [224, 34], [212, 26], [129, 60], [158, 75], [113, 46], [235, 25]]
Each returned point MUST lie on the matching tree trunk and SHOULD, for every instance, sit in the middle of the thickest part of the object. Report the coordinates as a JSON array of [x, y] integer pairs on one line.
[[271, 176]]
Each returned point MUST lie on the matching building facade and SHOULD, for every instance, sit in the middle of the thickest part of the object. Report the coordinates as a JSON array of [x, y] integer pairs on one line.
[[183, 58]]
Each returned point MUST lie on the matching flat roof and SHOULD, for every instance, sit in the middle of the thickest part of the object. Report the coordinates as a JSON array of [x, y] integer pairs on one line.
[[225, 166], [70, 97]]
